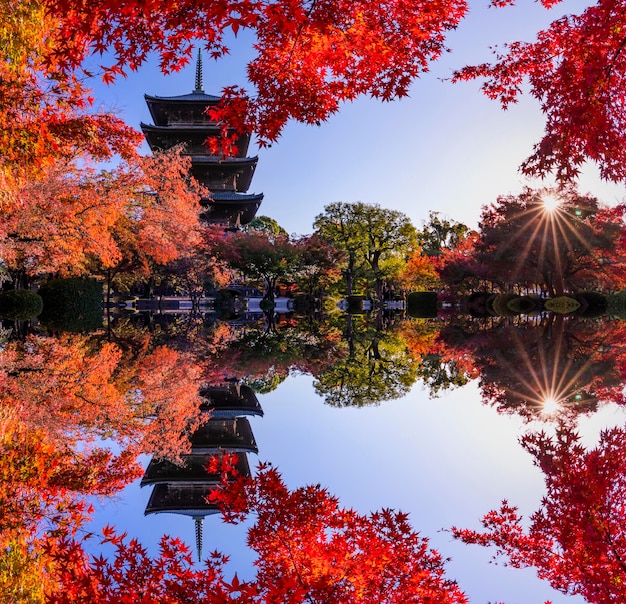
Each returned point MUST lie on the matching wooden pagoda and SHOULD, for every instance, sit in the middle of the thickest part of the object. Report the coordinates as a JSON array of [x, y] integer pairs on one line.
[[183, 120]]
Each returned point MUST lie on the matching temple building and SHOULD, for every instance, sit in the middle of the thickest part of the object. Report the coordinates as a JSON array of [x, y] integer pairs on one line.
[[183, 120], [183, 488]]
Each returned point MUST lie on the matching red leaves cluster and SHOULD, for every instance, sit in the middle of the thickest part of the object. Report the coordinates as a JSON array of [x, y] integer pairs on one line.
[[311, 56], [309, 550], [577, 538], [577, 71], [72, 219]]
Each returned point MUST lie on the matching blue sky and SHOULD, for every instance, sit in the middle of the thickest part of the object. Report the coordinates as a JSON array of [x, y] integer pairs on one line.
[[446, 147]]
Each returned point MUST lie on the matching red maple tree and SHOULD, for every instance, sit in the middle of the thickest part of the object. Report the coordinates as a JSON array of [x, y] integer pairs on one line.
[[309, 548], [576, 69], [311, 56]]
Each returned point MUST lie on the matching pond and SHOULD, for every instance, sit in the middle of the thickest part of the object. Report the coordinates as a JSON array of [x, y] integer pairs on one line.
[[378, 424]]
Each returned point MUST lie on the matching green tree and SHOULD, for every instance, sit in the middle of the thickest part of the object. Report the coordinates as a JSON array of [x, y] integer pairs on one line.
[[373, 239], [264, 224], [439, 234]]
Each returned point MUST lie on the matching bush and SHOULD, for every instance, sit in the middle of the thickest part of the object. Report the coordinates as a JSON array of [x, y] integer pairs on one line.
[[616, 304], [562, 305], [355, 305], [592, 304], [502, 305], [422, 305], [73, 304], [523, 305], [20, 304]]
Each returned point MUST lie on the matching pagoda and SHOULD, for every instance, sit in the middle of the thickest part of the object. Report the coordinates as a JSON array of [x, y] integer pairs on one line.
[[183, 120], [184, 488]]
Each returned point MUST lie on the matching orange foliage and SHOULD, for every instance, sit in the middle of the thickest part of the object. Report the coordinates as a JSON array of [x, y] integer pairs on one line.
[[419, 272], [68, 217]]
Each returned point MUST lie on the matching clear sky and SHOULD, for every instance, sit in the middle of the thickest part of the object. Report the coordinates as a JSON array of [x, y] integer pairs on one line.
[[446, 147]]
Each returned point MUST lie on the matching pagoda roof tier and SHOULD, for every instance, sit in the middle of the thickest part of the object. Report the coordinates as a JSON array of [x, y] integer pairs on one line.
[[193, 136], [187, 499], [226, 173], [233, 434], [231, 400], [231, 208], [169, 110], [192, 472]]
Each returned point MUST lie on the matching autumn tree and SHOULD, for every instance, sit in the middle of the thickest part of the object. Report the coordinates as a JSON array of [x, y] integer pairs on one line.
[[559, 366], [74, 220], [78, 391], [310, 57], [419, 272], [558, 240], [576, 69], [576, 540], [258, 257], [45, 114], [318, 264]]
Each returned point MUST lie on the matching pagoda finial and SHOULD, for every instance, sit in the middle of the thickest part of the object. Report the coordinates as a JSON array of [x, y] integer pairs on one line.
[[199, 88], [199, 520]]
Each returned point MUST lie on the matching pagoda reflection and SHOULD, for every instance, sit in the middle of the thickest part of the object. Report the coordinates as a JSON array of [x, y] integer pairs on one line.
[[184, 487]]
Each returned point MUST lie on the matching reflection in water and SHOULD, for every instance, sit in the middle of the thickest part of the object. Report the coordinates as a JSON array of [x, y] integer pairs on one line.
[[184, 486], [544, 366], [150, 390]]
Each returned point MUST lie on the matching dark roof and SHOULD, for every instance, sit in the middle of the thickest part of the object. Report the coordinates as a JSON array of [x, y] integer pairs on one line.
[[192, 472], [200, 97], [232, 434], [229, 196], [230, 401], [186, 499]]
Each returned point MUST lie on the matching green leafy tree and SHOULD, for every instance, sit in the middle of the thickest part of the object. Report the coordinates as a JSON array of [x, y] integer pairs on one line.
[[439, 234], [373, 239]]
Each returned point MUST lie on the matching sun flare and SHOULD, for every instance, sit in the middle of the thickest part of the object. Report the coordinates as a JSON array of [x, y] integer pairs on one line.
[[549, 406], [550, 202]]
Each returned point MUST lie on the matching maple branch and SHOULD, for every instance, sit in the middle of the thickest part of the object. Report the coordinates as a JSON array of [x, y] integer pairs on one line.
[[615, 553], [295, 568], [614, 58], [297, 38]]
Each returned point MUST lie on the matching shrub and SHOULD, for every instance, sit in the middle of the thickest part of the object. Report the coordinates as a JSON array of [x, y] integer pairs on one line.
[[20, 304], [616, 304], [502, 305], [73, 304], [592, 304], [562, 305], [422, 305]]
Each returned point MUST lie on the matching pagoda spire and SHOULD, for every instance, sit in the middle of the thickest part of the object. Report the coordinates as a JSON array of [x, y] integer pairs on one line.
[[199, 89], [198, 524]]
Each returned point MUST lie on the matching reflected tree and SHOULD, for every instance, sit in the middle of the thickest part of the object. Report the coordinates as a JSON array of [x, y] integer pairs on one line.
[[576, 540], [559, 365], [377, 368]]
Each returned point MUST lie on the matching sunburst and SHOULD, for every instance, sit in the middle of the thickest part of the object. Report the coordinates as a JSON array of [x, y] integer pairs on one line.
[[551, 231]]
